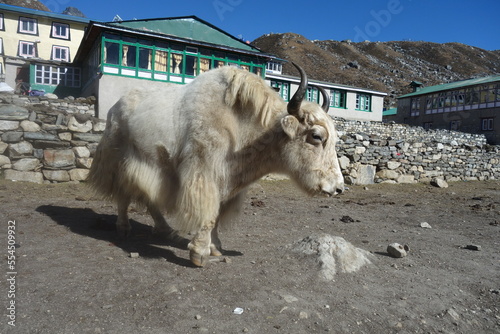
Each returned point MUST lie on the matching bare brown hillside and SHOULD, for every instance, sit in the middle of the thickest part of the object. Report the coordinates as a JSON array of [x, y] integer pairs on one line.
[[382, 66], [33, 4]]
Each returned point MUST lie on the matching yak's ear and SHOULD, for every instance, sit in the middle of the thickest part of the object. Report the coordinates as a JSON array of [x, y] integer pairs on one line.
[[290, 125]]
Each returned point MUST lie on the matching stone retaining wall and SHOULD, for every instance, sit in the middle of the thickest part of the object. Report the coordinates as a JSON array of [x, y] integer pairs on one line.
[[44, 140], [377, 152]]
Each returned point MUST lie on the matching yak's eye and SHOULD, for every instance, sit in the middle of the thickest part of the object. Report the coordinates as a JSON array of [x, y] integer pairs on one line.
[[316, 138], [317, 135]]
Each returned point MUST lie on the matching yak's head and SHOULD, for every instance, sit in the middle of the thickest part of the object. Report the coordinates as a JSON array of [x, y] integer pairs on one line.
[[309, 150]]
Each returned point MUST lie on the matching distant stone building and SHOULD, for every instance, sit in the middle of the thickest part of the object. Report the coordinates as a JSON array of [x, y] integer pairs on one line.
[[471, 106]]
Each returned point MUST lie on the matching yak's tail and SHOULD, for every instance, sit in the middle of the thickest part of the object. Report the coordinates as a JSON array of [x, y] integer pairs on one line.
[[118, 170], [105, 169]]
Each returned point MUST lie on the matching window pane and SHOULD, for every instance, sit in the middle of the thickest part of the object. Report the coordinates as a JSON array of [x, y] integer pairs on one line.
[[176, 63], [27, 25], [60, 30], [129, 56], [145, 58], [161, 61], [191, 65], [219, 63], [111, 51], [204, 65]]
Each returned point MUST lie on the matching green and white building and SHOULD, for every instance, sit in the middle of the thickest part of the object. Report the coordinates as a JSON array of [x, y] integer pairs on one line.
[[117, 56], [345, 101]]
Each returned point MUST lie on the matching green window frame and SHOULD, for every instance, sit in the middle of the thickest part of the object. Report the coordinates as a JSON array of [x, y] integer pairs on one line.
[[283, 89], [312, 94], [363, 102], [123, 56], [337, 98]]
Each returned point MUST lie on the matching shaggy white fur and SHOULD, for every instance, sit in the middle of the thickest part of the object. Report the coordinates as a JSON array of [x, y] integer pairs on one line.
[[191, 150]]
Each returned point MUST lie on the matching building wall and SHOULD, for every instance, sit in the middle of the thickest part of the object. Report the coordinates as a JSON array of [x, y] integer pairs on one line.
[[109, 89], [350, 112]]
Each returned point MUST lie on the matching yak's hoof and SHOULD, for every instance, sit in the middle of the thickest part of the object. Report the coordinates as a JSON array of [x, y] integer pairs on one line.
[[173, 237], [199, 260], [123, 232], [214, 251]]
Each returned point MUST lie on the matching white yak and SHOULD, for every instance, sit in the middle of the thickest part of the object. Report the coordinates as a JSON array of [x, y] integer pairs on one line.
[[192, 151]]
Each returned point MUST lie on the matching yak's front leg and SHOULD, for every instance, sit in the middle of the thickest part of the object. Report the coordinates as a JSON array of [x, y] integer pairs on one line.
[[200, 245]]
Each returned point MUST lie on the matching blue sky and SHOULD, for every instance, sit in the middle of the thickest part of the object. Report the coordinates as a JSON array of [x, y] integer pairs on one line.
[[474, 23]]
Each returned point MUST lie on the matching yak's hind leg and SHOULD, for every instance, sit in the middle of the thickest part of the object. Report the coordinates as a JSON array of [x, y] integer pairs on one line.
[[162, 228], [215, 245], [122, 223]]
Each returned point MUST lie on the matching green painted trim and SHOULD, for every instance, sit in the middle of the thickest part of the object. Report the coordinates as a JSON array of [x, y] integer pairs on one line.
[[252, 66], [60, 89], [343, 98], [370, 103], [390, 112], [279, 84]]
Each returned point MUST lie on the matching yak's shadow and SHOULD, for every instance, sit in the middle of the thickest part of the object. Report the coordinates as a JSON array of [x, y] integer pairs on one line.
[[86, 222]]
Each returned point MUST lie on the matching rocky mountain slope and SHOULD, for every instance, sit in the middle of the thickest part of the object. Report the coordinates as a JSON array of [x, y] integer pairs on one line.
[[383, 66], [33, 4]]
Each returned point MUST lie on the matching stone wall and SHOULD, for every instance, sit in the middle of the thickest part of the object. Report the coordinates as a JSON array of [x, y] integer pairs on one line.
[[377, 152], [47, 140], [51, 140]]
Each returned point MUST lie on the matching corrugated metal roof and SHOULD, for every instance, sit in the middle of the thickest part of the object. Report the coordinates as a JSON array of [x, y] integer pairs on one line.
[[453, 85], [187, 27], [35, 12]]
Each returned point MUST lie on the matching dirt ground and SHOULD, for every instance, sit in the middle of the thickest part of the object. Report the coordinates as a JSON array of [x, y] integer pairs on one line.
[[73, 275]]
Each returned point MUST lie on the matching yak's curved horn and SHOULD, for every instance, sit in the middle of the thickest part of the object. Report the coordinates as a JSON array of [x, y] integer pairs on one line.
[[326, 98], [296, 100]]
